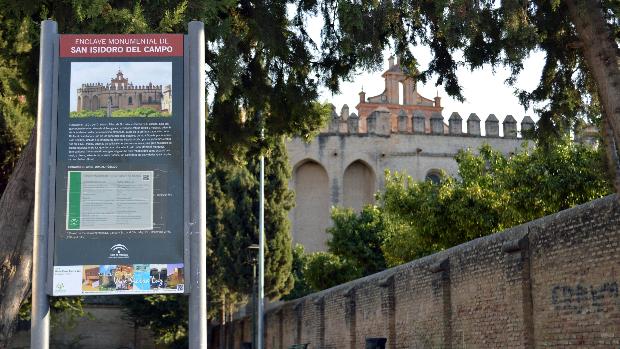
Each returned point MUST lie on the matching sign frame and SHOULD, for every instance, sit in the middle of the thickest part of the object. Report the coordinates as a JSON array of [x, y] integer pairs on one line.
[[186, 161]]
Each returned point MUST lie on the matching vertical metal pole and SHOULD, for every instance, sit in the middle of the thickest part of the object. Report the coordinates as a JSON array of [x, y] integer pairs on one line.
[[254, 303], [261, 251], [40, 322], [198, 247]]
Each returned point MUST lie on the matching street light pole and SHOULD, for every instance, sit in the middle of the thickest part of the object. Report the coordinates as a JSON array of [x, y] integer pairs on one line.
[[261, 245], [254, 303], [253, 247]]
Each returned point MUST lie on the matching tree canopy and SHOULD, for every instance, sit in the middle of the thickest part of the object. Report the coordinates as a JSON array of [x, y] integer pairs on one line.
[[473, 33], [580, 39]]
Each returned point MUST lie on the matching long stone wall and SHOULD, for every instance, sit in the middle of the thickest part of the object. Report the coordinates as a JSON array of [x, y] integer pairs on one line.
[[550, 283]]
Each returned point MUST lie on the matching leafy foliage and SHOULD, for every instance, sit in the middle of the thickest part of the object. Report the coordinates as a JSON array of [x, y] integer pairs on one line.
[[15, 125], [65, 311], [471, 33], [165, 315], [491, 193], [232, 208], [300, 264], [88, 114], [354, 250], [357, 238], [140, 112], [325, 270]]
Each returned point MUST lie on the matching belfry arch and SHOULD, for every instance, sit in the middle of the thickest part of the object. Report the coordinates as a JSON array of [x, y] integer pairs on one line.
[[358, 185], [312, 205]]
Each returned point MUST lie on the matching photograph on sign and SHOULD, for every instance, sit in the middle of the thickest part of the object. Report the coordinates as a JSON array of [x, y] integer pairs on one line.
[[119, 183], [121, 89]]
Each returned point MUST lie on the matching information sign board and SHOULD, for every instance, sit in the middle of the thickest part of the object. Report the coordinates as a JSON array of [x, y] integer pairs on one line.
[[118, 207]]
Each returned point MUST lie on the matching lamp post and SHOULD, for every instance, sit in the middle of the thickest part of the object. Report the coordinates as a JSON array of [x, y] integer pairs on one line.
[[253, 247], [261, 242]]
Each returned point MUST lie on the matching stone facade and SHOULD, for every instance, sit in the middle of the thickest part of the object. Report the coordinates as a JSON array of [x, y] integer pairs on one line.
[[344, 165], [121, 94], [549, 283]]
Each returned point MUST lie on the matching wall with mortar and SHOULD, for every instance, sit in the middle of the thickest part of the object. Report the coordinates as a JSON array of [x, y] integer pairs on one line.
[[550, 283]]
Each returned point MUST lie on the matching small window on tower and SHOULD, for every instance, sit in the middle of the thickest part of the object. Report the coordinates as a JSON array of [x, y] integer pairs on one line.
[[129, 100]]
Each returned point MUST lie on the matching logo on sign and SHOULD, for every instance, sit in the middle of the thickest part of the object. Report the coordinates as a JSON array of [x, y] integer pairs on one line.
[[119, 251]]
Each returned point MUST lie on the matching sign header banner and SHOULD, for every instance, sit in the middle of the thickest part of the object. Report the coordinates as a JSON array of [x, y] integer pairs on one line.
[[115, 45]]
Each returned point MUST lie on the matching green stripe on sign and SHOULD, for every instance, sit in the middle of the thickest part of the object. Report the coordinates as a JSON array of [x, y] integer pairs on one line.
[[75, 191]]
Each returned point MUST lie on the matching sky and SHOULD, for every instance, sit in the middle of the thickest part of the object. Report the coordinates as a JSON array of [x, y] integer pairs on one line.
[[484, 89], [138, 73]]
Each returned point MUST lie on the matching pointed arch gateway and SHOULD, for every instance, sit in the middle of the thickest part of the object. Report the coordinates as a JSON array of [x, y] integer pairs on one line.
[[312, 205], [359, 185]]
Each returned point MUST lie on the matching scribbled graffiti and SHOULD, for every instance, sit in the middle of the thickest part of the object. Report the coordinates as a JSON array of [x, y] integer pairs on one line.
[[583, 299]]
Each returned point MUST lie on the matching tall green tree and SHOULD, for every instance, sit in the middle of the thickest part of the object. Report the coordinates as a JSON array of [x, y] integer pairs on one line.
[[325, 269], [301, 287], [233, 222], [357, 238]]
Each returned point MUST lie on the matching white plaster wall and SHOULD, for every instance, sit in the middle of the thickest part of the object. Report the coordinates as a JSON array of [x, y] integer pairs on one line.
[[358, 185], [311, 214]]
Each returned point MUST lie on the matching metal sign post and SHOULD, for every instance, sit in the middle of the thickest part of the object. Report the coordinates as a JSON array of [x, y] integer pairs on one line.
[[198, 246], [40, 321]]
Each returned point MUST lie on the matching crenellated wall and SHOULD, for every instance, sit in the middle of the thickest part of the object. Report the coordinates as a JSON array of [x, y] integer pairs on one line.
[[386, 121], [550, 283]]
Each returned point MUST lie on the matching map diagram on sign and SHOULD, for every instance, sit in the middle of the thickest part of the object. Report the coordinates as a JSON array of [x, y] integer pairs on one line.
[[110, 200]]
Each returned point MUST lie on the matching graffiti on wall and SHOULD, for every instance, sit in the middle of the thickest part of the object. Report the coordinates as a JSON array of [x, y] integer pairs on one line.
[[584, 299]]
